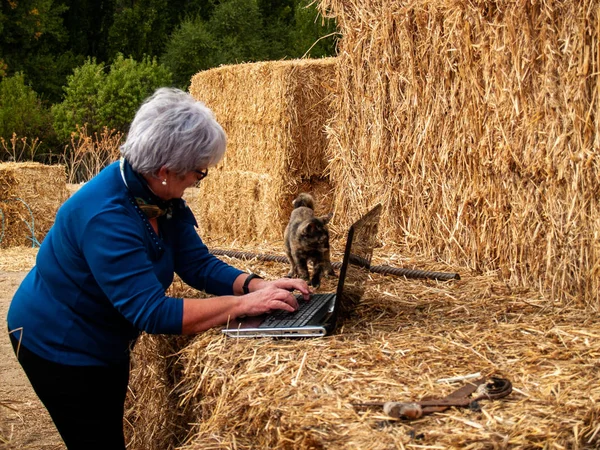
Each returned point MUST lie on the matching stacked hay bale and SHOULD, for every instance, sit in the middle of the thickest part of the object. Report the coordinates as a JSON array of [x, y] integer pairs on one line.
[[274, 114], [154, 418], [407, 336], [30, 195], [476, 125]]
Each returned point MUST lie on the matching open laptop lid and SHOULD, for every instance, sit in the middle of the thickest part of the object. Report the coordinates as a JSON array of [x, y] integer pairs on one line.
[[360, 243]]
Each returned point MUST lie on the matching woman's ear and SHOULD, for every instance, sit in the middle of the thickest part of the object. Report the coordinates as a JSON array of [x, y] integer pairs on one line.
[[162, 173]]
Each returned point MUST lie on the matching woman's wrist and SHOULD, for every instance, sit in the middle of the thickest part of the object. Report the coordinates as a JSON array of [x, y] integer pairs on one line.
[[246, 283], [257, 284]]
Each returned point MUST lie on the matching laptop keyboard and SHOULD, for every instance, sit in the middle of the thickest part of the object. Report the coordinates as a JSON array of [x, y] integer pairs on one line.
[[306, 310]]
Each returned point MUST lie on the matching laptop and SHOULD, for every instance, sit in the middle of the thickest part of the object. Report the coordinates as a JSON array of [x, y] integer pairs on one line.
[[320, 315]]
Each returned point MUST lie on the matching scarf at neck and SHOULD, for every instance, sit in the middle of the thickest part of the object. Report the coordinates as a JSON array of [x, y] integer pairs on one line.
[[149, 203]]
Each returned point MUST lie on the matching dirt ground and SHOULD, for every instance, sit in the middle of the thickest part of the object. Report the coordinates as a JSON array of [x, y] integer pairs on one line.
[[24, 423]]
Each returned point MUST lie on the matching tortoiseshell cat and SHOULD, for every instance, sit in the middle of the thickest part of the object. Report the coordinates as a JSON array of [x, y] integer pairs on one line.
[[306, 239]]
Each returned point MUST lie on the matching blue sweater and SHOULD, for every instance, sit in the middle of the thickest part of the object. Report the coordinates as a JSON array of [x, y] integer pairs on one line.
[[101, 274]]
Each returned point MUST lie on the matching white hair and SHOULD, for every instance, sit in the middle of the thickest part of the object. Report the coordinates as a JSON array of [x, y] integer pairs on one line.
[[174, 130]]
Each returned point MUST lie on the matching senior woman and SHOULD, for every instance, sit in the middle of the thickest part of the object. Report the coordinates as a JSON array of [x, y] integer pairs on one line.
[[102, 271]]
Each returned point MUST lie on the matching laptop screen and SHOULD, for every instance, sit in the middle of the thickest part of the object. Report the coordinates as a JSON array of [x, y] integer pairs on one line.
[[362, 239]]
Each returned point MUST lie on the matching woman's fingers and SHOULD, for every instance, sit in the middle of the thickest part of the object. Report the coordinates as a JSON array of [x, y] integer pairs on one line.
[[269, 299], [286, 299], [294, 284]]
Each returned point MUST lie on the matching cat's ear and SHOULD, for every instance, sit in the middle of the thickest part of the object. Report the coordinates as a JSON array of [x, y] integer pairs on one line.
[[326, 219], [309, 228]]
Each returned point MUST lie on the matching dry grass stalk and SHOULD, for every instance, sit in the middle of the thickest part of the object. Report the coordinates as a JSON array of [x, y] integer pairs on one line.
[[30, 195], [20, 148], [476, 125], [6, 437], [87, 155], [274, 114]]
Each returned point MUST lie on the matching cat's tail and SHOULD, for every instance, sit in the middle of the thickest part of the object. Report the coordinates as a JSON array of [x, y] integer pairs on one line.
[[304, 199]]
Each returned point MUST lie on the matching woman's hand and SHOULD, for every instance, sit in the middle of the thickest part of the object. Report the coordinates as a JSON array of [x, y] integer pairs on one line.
[[267, 299], [265, 296], [289, 284]]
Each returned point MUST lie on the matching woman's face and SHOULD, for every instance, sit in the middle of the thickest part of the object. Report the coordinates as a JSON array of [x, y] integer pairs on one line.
[[177, 184]]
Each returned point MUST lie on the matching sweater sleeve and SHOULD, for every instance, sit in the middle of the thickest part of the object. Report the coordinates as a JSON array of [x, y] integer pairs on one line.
[[120, 264]]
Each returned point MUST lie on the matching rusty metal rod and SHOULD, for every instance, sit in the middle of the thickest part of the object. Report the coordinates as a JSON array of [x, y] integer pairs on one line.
[[383, 269]]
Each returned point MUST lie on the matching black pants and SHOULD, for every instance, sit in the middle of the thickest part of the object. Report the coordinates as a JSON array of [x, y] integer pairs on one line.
[[86, 403]]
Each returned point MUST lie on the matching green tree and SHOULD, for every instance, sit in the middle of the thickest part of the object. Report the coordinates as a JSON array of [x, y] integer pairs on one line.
[[87, 23], [126, 86], [33, 42], [202, 8], [181, 10], [29, 25], [191, 48], [278, 24], [48, 73], [21, 111], [110, 99], [237, 28], [139, 28], [80, 103], [46, 40]]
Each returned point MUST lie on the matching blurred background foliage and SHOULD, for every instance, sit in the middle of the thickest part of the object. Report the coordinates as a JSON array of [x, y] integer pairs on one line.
[[70, 64]]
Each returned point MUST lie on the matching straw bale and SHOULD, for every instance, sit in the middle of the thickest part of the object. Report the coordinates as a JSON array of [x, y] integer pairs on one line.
[[30, 195], [274, 114], [238, 206], [153, 419], [406, 335], [476, 125]]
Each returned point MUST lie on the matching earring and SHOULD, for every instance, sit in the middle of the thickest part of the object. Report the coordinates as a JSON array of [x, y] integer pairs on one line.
[[164, 182]]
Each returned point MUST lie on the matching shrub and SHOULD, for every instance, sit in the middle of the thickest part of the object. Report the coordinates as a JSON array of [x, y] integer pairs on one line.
[[80, 102], [97, 99], [21, 114], [190, 49], [126, 86]]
